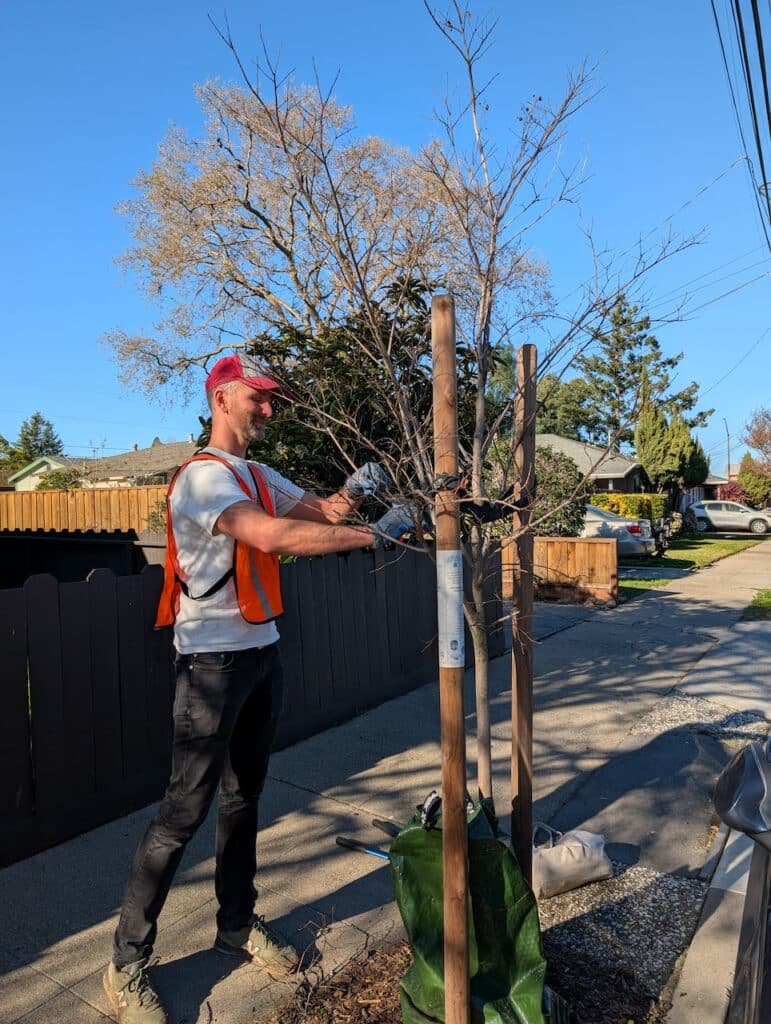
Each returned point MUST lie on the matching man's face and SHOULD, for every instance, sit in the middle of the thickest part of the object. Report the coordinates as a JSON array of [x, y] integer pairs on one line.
[[249, 412]]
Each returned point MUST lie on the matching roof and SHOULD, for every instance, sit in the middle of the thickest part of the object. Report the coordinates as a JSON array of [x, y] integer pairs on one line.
[[157, 459], [42, 462], [713, 480], [591, 460]]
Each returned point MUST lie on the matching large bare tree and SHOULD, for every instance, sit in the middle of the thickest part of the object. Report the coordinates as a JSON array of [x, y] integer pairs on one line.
[[282, 224]]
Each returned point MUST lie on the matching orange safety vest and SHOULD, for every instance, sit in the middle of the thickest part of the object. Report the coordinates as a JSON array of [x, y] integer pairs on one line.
[[255, 573]]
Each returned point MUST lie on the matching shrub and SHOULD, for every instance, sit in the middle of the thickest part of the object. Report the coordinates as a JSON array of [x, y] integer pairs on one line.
[[558, 478], [633, 506]]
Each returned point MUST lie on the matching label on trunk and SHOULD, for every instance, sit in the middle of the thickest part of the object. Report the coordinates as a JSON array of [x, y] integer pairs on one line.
[[449, 592]]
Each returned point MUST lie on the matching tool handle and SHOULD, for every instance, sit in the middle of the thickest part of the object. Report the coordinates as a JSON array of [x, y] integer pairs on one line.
[[389, 827], [354, 844]]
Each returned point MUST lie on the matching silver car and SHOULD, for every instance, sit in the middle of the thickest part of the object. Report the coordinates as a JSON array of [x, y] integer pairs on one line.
[[729, 515], [634, 537]]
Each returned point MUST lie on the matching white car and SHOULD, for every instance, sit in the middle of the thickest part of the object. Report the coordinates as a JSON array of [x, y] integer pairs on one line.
[[729, 515], [634, 537]]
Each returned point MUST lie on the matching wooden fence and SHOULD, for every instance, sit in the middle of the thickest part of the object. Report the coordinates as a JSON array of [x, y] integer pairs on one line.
[[87, 682], [99, 508], [567, 567]]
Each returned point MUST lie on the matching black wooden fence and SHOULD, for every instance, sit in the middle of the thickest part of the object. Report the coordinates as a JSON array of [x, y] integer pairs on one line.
[[87, 683]]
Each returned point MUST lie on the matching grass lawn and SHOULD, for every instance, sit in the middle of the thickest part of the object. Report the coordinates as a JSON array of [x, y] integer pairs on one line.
[[627, 589], [696, 552], [760, 607]]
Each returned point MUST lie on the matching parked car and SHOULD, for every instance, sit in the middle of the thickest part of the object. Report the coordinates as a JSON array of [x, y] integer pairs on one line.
[[634, 537], [729, 515]]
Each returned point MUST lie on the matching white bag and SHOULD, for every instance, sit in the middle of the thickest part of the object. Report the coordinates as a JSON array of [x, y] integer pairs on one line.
[[567, 860]]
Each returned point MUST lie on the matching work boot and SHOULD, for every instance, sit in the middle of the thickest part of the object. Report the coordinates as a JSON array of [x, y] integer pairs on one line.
[[132, 996], [261, 945]]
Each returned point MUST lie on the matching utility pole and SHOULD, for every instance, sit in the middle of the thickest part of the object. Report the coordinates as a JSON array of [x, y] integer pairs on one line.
[[449, 587], [728, 451]]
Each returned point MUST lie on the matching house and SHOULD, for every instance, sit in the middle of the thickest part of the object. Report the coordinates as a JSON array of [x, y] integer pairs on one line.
[[608, 471], [138, 467], [28, 477]]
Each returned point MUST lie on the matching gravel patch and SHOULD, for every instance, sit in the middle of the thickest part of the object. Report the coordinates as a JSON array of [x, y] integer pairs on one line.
[[634, 925], [678, 711]]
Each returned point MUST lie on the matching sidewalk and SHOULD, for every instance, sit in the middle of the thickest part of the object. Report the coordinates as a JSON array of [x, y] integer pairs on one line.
[[634, 716]]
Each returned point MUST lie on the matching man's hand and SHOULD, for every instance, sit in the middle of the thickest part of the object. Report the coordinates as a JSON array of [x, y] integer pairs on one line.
[[369, 481], [398, 520]]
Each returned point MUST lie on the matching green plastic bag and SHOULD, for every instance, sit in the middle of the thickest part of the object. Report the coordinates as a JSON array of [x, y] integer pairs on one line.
[[506, 963]]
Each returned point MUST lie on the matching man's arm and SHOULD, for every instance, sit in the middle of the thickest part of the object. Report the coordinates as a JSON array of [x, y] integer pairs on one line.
[[292, 535], [332, 510]]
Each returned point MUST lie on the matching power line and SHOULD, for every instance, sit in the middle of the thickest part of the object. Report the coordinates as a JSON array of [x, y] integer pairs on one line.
[[737, 364], [753, 181], [739, 22]]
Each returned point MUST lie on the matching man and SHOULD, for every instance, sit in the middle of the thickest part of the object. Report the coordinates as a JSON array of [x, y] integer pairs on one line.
[[227, 522]]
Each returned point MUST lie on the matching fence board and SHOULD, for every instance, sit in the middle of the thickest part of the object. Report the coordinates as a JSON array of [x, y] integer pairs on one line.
[[15, 785], [158, 670], [108, 743], [131, 656], [565, 566], [77, 696], [46, 696], [109, 508]]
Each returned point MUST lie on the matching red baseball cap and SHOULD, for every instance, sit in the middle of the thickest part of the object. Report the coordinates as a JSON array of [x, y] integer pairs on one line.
[[240, 367]]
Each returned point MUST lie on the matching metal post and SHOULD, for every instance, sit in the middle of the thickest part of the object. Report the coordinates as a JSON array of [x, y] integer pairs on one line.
[[449, 576], [522, 618]]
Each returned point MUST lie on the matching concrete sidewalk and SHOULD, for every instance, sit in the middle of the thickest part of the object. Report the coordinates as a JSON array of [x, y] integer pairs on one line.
[[635, 714]]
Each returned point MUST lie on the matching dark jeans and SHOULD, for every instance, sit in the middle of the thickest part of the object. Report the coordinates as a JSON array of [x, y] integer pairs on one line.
[[225, 713]]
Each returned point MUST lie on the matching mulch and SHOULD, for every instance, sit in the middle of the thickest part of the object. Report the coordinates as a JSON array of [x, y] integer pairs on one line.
[[366, 991]]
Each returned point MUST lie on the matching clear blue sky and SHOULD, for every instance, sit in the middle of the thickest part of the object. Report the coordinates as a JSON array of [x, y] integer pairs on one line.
[[90, 88]]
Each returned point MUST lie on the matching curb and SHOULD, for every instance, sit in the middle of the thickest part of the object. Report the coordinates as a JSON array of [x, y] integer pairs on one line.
[[704, 987]]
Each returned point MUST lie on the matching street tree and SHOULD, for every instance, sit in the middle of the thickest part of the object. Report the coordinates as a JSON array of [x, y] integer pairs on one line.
[[757, 435], [624, 359], [755, 482], [280, 224]]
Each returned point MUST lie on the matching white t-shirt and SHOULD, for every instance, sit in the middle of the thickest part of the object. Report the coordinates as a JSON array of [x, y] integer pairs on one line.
[[201, 494]]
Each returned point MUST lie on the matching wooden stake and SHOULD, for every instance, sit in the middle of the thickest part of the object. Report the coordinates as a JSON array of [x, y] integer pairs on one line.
[[522, 619], [449, 578]]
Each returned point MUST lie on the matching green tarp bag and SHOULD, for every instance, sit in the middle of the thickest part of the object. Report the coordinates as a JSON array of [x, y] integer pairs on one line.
[[506, 963]]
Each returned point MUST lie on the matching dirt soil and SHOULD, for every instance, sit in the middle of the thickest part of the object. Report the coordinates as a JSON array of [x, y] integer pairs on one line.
[[366, 991]]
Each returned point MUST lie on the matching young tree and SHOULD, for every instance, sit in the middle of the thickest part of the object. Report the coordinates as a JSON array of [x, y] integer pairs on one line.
[[626, 358], [757, 435], [281, 225], [754, 481]]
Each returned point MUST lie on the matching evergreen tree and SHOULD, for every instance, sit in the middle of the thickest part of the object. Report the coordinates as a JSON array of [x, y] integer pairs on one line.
[[697, 468], [652, 443], [563, 407], [36, 437], [626, 356]]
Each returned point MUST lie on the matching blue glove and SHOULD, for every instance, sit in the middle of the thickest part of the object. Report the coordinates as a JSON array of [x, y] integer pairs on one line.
[[369, 481], [397, 521]]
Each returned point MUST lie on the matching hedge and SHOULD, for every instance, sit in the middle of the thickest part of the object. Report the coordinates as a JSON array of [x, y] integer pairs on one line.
[[635, 506]]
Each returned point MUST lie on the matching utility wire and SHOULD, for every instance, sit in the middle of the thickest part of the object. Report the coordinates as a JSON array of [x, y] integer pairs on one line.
[[753, 182], [737, 364], [761, 60], [751, 96]]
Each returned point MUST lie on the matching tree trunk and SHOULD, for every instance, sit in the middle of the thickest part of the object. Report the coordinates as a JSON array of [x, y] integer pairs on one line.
[[475, 616]]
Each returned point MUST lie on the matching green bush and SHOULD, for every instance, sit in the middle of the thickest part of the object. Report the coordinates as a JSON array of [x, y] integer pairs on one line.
[[634, 506]]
